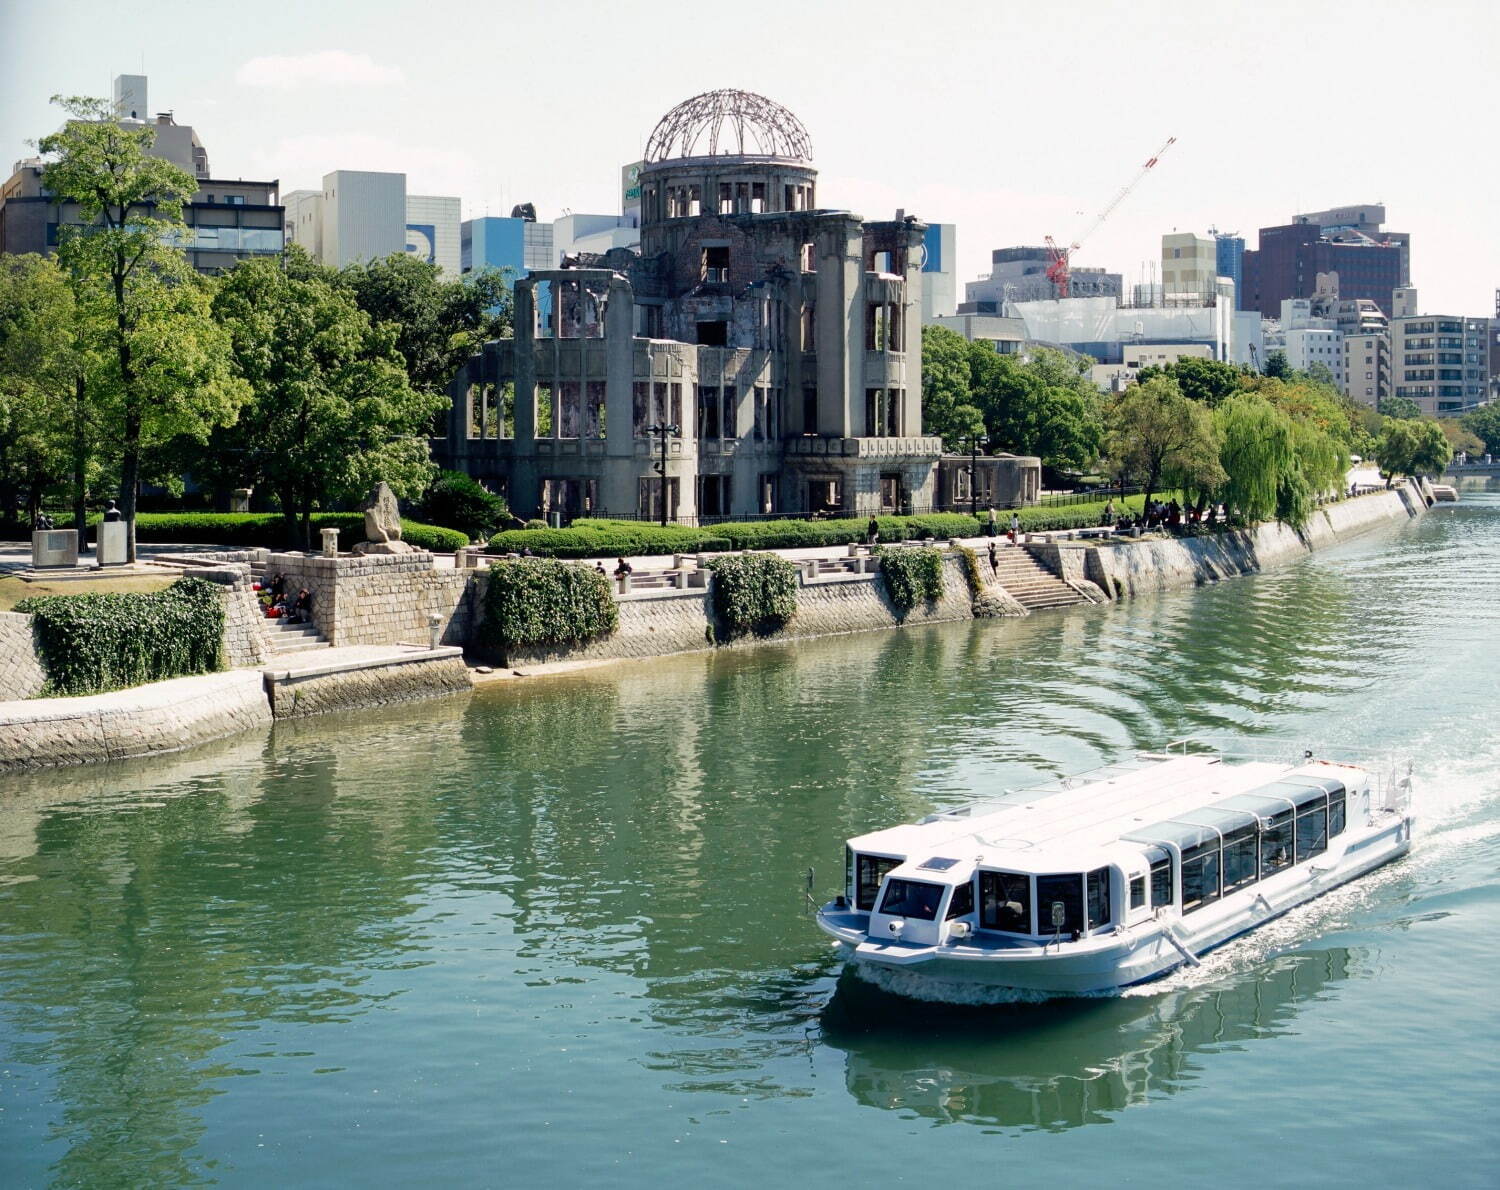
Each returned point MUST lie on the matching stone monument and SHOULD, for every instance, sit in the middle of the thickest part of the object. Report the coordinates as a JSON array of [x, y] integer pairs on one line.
[[382, 523]]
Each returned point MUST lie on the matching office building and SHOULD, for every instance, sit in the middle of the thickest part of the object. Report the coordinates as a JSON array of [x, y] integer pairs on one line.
[[1229, 258], [1312, 344], [1356, 259], [1367, 367], [229, 220], [939, 275], [1020, 275], [1441, 361], [362, 215], [1189, 269]]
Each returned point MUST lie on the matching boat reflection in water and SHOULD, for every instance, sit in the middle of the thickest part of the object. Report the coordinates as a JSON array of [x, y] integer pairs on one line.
[[1062, 1063]]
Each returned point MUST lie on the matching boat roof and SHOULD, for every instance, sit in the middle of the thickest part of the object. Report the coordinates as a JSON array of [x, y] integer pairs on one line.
[[1183, 800]]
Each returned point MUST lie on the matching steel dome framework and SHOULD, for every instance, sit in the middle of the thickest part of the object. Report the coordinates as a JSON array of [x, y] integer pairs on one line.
[[728, 123]]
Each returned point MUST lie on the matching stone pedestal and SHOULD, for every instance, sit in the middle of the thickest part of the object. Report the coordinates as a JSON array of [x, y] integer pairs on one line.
[[330, 543], [112, 543], [239, 500], [54, 547]]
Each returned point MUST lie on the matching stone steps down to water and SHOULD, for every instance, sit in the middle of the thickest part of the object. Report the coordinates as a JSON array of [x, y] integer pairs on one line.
[[1028, 581], [282, 637]]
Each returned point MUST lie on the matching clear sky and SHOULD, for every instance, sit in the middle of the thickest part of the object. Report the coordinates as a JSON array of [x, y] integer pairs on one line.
[[1012, 120]]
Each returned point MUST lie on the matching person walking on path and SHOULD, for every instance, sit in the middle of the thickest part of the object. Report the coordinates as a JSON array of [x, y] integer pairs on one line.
[[872, 532], [1015, 527], [1109, 513], [993, 528]]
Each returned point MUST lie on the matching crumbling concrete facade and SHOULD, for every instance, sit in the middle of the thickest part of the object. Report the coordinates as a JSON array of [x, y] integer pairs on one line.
[[771, 346]]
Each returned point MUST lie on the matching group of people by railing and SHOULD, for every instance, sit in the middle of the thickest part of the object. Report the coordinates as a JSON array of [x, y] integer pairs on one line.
[[1164, 514]]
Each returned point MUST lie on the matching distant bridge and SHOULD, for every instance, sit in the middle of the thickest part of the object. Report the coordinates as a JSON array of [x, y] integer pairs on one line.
[[1478, 470]]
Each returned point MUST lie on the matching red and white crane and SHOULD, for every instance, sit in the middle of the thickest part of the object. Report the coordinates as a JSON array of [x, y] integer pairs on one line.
[[1059, 271]]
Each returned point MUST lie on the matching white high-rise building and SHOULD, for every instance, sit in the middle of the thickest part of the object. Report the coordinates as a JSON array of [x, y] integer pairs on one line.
[[432, 231], [363, 215]]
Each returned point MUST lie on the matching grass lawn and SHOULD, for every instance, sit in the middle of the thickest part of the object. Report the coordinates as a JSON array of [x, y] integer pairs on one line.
[[13, 590]]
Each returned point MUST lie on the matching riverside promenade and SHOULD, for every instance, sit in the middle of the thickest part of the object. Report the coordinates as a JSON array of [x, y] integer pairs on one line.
[[398, 628]]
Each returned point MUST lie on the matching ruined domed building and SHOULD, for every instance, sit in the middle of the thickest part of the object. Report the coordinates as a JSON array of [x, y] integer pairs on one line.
[[774, 346]]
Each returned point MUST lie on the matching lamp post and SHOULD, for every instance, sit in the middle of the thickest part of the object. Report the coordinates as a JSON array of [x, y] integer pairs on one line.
[[663, 431], [975, 442]]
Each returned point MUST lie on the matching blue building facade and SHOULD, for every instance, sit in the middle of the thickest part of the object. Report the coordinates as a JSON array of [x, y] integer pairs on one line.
[[1231, 262], [495, 243]]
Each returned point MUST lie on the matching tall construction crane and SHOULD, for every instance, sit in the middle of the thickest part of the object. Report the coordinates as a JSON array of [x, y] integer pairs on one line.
[[1059, 271]]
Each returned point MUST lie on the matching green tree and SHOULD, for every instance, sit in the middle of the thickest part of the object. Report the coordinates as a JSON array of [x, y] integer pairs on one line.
[[1485, 423], [1044, 406], [47, 427], [331, 410], [1256, 452], [440, 323], [163, 362], [1156, 433], [458, 501], [1277, 366], [1460, 437], [1412, 447], [1205, 380], [1402, 408], [945, 386]]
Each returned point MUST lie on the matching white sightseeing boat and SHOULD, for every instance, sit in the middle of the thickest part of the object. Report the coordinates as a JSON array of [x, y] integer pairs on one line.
[[1115, 876]]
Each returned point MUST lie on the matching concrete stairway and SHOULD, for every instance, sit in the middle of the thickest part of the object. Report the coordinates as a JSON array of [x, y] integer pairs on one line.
[[1027, 581], [291, 638]]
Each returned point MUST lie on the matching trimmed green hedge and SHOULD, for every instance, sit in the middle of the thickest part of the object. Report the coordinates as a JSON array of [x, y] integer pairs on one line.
[[609, 539], [912, 575], [601, 538], [93, 643], [539, 601], [753, 592], [268, 529]]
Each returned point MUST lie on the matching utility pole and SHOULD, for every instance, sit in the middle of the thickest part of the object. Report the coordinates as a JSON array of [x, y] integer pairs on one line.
[[663, 431]]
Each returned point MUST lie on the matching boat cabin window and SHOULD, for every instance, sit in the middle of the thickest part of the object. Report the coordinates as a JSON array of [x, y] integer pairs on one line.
[[912, 898], [1241, 860], [1065, 891], [1200, 876], [962, 903], [1161, 883], [1336, 813], [1098, 895], [1137, 892], [870, 871], [1312, 832], [1276, 844], [1005, 902]]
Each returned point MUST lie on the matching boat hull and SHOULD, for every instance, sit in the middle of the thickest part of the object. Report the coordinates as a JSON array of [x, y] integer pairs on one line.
[[1124, 957]]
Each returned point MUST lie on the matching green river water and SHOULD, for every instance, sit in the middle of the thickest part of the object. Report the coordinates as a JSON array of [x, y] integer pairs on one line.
[[553, 933]]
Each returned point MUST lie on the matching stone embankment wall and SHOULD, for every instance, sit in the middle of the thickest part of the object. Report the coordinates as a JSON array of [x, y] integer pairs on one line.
[[656, 623], [380, 599], [296, 694], [1130, 568], [21, 673], [161, 717]]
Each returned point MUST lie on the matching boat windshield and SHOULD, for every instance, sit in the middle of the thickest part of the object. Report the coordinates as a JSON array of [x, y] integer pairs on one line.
[[912, 898]]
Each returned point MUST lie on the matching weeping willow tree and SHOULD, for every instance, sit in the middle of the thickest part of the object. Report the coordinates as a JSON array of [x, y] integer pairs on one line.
[[1256, 452]]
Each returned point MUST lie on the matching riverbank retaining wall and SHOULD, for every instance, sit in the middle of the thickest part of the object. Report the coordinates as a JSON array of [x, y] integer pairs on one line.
[[21, 673], [162, 717], [297, 694], [380, 599], [657, 623]]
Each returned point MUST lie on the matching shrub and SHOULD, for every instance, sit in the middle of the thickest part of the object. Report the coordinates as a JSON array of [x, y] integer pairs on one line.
[[268, 529], [911, 574], [608, 539], [536, 523], [458, 501], [539, 601], [754, 592], [972, 573], [93, 643]]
